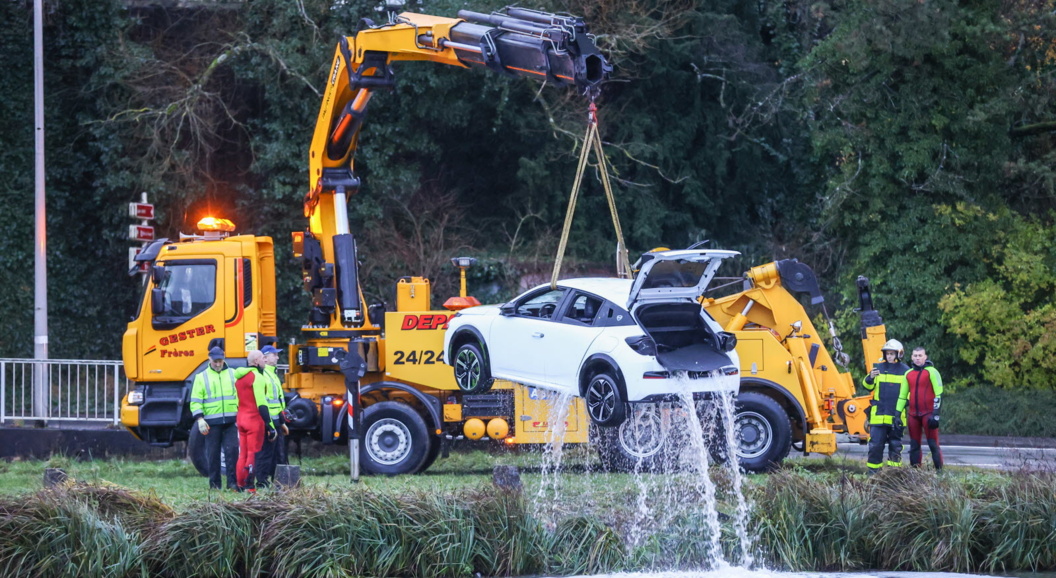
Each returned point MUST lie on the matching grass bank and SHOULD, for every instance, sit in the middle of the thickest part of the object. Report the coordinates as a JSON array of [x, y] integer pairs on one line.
[[817, 515]]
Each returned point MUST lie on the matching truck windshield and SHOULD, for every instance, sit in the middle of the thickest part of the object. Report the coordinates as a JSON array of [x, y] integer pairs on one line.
[[189, 287]]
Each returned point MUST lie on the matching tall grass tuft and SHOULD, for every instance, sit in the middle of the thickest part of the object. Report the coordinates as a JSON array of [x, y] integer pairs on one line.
[[806, 523], [927, 523], [1019, 517], [63, 533], [210, 539], [366, 533], [510, 541], [582, 545]]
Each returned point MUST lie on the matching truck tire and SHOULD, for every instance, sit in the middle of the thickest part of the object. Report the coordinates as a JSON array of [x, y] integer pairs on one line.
[[196, 451], [430, 456], [763, 432], [638, 444], [395, 439]]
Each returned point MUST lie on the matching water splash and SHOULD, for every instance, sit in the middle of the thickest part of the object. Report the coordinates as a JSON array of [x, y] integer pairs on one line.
[[699, 462], [741, 519], [546, 498]]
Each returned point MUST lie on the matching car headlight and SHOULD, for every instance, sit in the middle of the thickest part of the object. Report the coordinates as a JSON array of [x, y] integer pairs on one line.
[[135, 397]]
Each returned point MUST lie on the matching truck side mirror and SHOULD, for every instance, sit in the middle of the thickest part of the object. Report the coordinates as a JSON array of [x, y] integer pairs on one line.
[[157, 300], [158, 274]]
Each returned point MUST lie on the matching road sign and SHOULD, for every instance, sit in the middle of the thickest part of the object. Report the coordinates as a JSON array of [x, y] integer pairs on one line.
[[140, 233], [141, 211]]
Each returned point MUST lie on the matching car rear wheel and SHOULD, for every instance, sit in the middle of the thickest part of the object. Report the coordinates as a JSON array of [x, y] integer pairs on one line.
[[605, 403], [640, 443], [472, 373]]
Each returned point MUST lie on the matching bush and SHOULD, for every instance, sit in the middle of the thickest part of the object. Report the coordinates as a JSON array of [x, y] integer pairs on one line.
[[988, 410]]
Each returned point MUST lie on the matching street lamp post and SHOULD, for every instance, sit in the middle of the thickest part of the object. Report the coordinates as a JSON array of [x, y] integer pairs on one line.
[[41, 401]]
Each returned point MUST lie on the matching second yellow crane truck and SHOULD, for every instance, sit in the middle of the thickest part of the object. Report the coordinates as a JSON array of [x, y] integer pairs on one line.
[[219, 289]]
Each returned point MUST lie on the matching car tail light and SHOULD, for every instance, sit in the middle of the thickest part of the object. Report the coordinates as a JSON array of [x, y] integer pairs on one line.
[[642, 344], [656, 375]]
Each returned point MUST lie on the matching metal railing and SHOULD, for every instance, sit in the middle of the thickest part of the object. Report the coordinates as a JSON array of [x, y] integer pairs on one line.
[[73, 390]]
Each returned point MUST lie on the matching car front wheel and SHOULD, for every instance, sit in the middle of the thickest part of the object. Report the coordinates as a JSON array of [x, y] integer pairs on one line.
[[472, 373], [605, 403]]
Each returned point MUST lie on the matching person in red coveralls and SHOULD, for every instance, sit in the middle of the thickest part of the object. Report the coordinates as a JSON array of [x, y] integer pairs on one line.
[[925, 397], [253, 418]]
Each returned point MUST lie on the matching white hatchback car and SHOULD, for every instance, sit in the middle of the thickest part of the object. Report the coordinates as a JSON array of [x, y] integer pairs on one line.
[[610, 341]]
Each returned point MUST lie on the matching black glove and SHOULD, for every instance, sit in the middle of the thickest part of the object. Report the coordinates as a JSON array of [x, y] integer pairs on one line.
[[933, 421], [272, 433]]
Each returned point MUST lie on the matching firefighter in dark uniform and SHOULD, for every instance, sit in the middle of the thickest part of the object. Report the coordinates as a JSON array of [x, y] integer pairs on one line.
[[890, 390]]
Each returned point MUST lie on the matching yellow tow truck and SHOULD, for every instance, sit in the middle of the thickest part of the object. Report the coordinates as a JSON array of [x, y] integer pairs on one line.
[[376, 377]]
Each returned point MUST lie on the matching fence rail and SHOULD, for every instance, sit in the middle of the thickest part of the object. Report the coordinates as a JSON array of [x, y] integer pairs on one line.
[[74, 390]]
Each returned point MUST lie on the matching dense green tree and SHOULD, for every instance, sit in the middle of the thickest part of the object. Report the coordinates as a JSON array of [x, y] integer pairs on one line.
[[1007, 318], [910, 107], [87, 257]]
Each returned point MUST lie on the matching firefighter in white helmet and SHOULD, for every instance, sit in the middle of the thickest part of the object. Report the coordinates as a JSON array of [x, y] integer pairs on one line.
[[890, 390]]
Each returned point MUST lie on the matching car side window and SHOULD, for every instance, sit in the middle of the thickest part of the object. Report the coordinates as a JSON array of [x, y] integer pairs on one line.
[[613, 316], [542, 305], [583, 309]]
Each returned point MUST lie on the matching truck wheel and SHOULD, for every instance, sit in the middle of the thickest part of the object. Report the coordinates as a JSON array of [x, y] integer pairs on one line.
[[604, 402], [638, 444], [472, 373], [431, 455], [395, 441], [196, 451], [763, 432]]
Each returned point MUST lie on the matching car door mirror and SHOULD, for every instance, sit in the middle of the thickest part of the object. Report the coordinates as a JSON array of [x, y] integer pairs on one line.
[[157, 301], [727, 341], [507, 309]]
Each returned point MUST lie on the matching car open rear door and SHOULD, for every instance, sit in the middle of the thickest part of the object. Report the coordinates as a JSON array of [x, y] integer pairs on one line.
[[671, 275]]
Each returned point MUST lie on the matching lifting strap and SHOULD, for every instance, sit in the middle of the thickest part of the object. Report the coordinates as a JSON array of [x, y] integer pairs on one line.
[[592, 141]]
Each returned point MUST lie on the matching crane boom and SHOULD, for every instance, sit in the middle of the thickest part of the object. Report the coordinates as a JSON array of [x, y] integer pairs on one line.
[[517, 42]]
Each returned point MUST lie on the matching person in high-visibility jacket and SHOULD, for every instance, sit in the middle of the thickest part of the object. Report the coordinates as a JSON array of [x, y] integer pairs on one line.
[[254, 418], [925, 398], [214, 405], [270, 452], [890, 390]]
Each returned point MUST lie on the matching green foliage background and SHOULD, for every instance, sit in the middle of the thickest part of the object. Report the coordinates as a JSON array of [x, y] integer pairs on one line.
[[908, 141]]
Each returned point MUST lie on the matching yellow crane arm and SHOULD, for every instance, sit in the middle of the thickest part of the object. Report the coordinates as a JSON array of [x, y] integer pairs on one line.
[[516, 42]]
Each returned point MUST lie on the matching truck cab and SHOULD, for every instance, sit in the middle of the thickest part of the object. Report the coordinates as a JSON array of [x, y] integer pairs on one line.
[[202, 291]]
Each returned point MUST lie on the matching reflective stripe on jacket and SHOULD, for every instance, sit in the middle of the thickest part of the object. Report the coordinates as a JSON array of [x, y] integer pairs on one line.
[[213, 395], [890, 392], [275, 399]]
